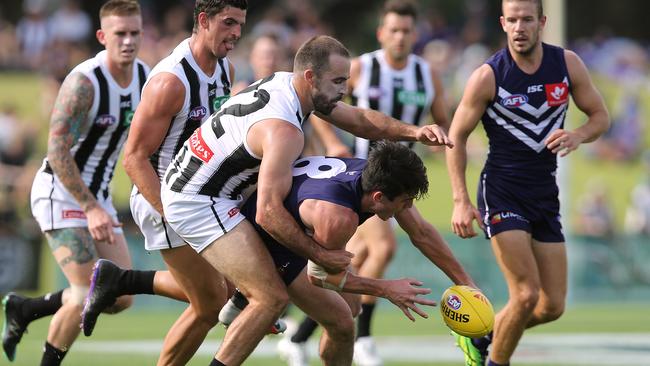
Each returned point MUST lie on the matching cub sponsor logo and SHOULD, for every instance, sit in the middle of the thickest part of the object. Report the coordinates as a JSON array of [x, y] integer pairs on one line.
[[233, 211], [128, 117], [105, 120], [73, 214], [556, 94], [219, 101], [454, 302], [514, 101], [199, 147], [197, 113]]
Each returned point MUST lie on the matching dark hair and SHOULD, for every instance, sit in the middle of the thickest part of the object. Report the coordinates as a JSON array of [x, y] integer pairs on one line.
[[315, 54], [400, 7], [394, 169], [212, 7], [540, 8], [120, 8]]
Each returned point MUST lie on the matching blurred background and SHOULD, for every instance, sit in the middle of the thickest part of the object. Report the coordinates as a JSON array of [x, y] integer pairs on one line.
[[605, 185]]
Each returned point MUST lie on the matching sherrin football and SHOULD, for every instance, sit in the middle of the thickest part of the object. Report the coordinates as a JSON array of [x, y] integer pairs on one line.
[[467, 311]]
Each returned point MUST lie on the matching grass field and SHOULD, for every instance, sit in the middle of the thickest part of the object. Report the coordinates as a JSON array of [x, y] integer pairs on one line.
[[138, 326]]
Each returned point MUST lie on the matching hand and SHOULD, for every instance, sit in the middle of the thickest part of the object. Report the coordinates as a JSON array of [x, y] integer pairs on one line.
[[433, 135], [563, 142], [404, 295], [462, 220], [101, 224], [334, 261]]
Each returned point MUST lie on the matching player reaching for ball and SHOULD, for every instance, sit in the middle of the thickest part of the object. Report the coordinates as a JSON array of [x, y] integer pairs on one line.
[[330, 198], [521, 94]]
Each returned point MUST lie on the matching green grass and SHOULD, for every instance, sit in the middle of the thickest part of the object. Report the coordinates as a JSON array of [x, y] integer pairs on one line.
[[141, 325]]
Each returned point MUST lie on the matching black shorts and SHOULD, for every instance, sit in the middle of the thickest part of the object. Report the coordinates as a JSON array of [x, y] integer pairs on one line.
[[508, 204], [288, 264]]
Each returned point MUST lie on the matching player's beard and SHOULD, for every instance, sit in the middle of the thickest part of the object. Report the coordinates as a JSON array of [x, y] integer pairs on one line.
[[323, 104]]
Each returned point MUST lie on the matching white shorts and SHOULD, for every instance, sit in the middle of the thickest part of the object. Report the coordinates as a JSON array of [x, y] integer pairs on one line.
[[200, 219], [55, 208], [157, 232]]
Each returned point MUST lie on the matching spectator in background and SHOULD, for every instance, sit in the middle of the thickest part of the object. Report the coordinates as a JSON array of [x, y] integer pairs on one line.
[[267, 56], [33, 34], [637, 216], [70, 24], [595, 219]]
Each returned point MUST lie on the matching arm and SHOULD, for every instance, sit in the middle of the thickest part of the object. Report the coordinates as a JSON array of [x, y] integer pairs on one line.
[[333, 225], [439, 108], [428, 240], [478, 92], [375, 125], [69, 118], [280, 145], [589, 101], [162, 98]]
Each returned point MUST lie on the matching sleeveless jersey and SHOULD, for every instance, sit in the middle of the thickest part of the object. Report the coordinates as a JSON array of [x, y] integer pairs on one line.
[[215, 160], [336, 180], [525, 111], [98, 147], [203, 96], [404, 94]]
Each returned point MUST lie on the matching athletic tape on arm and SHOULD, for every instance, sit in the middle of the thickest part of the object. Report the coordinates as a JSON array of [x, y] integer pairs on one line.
[[328, 281]]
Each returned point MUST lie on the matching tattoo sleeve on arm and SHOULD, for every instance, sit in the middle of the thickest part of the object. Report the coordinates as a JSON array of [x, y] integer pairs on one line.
[[68, 120]]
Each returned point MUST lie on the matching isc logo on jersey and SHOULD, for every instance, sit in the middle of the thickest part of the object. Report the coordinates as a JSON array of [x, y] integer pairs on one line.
[[514, 101]]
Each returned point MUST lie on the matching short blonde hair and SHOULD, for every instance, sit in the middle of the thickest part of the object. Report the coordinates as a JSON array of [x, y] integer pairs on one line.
[[120, 8]]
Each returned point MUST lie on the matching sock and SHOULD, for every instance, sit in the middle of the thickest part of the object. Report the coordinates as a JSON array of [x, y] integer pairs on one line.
[[492, 363], [483, 342], [363, 323], [52, 356], [216, 362], [239, 300], [134, 282], [305, 330], [39, 307]]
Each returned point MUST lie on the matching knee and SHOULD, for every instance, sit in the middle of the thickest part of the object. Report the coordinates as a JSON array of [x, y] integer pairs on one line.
[[275, 301], [526, 298], [552, 311], [341, 328], [122, 303]]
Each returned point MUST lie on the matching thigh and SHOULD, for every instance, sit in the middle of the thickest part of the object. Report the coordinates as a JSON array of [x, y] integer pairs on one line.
[[514, 254], [75, 253], [326, 307], [203, 285], [551, 261], [377, 234], [241, 256], [117, 252]]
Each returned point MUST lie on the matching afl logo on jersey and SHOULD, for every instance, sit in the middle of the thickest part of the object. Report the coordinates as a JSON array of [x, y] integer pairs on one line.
[[197, 113], [105, 120], [514, 101]]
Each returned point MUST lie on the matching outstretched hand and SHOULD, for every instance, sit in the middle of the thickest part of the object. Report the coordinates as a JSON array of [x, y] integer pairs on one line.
[[433, 135], [404, 293]]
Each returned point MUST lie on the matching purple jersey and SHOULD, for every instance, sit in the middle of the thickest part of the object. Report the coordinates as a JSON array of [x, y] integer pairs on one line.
[[336, 180], [526, 109]]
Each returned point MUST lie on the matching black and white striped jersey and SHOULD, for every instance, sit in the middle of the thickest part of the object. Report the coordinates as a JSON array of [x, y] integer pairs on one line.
[[404, 94], [203, 95], [216, 160], [109, 118]]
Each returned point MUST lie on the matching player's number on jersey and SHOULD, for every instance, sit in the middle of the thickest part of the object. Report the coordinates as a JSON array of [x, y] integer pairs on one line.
[[318, 167]]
